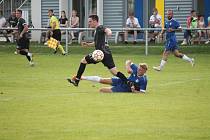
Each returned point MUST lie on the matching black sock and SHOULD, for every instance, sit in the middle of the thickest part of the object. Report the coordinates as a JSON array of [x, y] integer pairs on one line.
[[22, 52], [122, 77], [81, 70], [28, 57]]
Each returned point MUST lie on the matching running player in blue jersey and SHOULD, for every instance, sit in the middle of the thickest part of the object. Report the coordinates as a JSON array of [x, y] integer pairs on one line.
[[137, 76], [171, 26]]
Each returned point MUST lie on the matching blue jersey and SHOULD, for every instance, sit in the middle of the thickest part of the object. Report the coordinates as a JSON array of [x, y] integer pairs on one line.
[[140, 82], [171, 24], [171, 42]]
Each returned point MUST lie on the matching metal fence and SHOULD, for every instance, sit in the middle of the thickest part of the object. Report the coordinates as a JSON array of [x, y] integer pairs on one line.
[[143, 30]]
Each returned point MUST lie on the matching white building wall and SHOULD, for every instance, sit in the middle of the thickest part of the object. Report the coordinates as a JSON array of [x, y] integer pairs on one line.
[[36, 18], [100, 11], [64, 5]]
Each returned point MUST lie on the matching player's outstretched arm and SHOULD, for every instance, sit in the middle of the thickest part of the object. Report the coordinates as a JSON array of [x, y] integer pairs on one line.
[[162, 31], [136, 91], [25, 29], [179, 29], [128, 66], [108, 32]]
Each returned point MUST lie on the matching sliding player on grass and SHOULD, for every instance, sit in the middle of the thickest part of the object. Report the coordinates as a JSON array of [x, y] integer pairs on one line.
[[137, 76]]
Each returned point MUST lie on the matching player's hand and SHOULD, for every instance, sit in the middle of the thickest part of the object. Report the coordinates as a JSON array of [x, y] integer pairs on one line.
[[51, 33], [130, 83], [170, 30], [128, 62], [133, 89], [160, 35]]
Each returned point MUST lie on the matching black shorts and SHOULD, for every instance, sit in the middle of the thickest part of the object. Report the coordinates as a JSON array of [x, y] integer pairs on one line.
[[57, 34], [23, 43], [132, 31], [107, 61]]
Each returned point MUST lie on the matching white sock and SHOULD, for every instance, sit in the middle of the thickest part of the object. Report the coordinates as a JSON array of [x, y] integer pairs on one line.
[[92, 78], [186, 58], [29, 54], [162, 63]]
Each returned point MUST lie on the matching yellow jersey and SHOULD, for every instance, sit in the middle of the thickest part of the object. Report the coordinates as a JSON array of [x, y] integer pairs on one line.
[[52, 20]]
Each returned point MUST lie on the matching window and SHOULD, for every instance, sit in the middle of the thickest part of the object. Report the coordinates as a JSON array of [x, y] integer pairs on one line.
[[131, 6], [92, 7]]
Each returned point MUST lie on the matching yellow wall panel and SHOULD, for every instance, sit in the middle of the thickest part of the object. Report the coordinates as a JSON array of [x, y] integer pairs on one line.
[[160, 6]]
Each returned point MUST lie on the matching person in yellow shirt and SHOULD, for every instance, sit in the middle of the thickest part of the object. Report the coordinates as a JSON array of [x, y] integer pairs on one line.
[[56, 32]]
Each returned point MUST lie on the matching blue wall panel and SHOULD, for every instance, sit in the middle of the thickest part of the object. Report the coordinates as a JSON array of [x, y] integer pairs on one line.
[[139, 14], [207, 10], [139, 11]]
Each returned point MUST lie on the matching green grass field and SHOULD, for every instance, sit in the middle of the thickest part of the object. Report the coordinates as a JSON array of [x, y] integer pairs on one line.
[[37, 103]]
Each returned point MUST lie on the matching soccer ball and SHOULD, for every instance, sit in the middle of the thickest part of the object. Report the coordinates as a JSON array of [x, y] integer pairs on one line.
[[98, 55]]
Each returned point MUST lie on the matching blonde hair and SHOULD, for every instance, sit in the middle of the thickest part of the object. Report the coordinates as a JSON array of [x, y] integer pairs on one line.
[[144, 65]]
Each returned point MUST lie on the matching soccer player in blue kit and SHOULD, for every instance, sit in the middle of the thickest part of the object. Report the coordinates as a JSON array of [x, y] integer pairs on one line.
[[171, 43], [137, 76]]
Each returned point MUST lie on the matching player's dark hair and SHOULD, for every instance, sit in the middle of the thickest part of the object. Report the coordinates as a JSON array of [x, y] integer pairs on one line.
[[50, 10], [94, 17], [192, 11], [64, 13], [18, 10], [155, 9], [170, 10], [130, 13]]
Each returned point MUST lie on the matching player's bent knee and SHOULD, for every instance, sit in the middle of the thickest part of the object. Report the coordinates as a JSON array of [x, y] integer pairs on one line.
[[178, 55], [83, 60]]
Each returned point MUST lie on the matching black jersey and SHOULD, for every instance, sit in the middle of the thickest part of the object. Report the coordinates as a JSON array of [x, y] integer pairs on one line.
[[100, 40], [63, 20], [12, 21], [20, 24]]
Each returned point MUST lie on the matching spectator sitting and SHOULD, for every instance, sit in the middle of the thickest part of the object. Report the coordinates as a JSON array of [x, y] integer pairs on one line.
[[63, 21], [155, 22], [194, 24], [201, 24], [208, 31], [74, 22], [187, 33], [12, 22], [132, 22], [3, 25]]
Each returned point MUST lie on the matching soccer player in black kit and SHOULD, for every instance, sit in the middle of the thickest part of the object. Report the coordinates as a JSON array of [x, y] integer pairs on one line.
[[23, 38], [100, 44]]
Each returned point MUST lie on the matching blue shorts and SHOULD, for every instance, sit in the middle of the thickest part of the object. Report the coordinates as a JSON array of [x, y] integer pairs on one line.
[[171, 45], [119, 86]]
